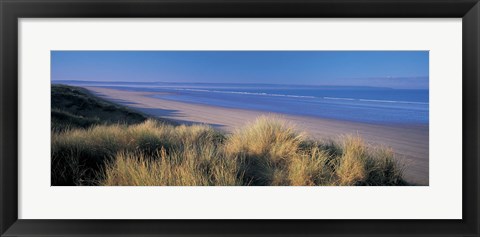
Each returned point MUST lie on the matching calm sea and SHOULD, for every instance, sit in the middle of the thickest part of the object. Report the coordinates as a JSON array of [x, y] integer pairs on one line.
[[360, 104]]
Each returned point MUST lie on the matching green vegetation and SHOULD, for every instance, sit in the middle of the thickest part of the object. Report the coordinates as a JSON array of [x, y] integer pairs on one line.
[[93, 148], [74, 107]]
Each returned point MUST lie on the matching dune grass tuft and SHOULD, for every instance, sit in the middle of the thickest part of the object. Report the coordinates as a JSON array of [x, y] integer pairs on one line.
[[268, 145], [360, 165], [99, 145], [179, 168]]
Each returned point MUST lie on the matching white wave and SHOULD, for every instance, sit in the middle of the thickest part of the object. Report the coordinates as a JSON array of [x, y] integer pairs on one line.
[[394, 101], [248, 93], [376, 101], [336, 98], [300, 96]]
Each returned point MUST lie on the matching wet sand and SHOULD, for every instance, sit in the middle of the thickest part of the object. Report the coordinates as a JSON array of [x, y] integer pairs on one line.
[[409, 142]]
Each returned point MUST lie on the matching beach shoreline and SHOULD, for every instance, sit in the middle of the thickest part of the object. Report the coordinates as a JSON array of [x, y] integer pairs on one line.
[[409, 142]]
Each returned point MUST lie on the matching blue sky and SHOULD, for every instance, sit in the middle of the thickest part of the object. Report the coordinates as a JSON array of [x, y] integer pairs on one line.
[[395, 69]]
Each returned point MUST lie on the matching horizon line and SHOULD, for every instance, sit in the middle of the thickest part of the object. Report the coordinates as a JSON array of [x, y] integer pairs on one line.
[[242, 83]]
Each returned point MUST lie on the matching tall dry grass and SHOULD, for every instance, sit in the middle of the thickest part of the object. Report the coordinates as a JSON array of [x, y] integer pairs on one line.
[[360, 165], [97, 147], [268, 145], [268, 151]]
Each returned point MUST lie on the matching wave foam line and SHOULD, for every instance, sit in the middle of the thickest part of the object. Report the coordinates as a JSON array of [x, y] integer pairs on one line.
[[394, 101], [248, 93], [301, 96]]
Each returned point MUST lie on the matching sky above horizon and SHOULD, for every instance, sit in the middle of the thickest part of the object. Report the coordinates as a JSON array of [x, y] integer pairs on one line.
[[394, 69]]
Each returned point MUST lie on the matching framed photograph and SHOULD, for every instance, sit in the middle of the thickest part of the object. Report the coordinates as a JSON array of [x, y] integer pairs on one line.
[[249, 118]]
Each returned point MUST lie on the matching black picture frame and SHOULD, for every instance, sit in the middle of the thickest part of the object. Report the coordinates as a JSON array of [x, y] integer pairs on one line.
[[11, 11]]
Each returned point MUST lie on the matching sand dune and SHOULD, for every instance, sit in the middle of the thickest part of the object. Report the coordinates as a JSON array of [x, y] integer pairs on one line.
[[410, 143]]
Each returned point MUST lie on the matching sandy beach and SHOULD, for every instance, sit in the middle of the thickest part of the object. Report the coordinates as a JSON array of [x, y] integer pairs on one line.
[[410, 143]]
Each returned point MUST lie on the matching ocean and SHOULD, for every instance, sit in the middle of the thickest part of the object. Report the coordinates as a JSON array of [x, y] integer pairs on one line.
[[357, 104]]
